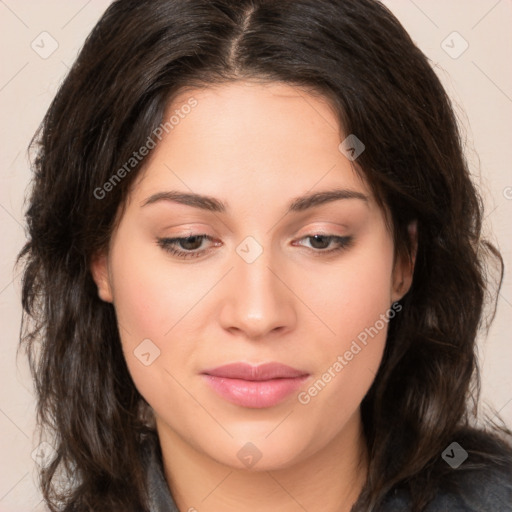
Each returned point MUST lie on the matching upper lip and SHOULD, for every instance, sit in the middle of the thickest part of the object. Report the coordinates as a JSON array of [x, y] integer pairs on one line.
[[267, 371]]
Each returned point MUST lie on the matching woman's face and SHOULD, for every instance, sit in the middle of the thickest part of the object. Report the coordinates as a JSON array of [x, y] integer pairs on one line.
[[259, 288]]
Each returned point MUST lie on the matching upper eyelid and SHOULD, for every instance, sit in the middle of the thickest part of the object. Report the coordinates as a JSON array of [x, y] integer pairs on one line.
[[311, 230]]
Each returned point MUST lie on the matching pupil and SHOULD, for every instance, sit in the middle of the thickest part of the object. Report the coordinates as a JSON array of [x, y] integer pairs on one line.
[[190, 240], [318, 238]]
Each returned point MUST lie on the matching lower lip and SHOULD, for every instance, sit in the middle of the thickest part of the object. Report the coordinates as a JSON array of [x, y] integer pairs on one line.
[[255, 394]]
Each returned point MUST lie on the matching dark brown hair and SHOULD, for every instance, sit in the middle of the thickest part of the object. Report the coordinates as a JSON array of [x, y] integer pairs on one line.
[[353, 52]]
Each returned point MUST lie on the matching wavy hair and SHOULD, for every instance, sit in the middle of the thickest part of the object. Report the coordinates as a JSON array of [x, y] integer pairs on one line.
[[356, 54]]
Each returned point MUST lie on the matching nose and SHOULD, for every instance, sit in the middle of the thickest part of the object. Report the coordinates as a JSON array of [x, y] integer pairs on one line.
[[257, 300]]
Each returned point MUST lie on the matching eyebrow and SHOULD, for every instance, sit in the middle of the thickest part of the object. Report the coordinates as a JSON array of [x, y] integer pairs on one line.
[[212, 204]]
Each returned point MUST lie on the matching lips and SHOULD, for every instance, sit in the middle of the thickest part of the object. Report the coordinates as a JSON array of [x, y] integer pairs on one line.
[[245, 371], [255, 386]]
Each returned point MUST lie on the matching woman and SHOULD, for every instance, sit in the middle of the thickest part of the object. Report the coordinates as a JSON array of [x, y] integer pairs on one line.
[[255, 270]]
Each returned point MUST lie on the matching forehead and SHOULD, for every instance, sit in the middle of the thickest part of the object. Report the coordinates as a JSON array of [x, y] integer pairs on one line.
[[240, 111], [249, 132]]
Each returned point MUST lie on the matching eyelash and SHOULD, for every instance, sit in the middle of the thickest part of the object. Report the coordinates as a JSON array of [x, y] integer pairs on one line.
[[169, 245]]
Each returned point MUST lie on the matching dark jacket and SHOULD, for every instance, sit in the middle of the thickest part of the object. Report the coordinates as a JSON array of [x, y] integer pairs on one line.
[[483, 490]]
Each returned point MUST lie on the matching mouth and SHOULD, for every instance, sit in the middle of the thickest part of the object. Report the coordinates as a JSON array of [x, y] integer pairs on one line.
[[255, 387]]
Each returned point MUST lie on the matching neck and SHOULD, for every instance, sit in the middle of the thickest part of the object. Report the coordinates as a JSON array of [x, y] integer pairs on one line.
[[329, 480]]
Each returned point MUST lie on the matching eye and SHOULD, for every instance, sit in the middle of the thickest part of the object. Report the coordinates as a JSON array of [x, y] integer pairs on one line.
[[189, 245], [320, 242]]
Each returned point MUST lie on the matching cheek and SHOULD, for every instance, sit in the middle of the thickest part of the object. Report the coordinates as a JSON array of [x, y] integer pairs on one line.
[[153, 306], [351, 294], [150, 297], [353, 300]]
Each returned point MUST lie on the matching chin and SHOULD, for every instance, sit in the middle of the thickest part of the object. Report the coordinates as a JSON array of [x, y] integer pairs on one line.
[[261, 453]]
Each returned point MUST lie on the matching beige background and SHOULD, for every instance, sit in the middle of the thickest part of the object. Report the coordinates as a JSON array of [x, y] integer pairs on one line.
[[479, 80]]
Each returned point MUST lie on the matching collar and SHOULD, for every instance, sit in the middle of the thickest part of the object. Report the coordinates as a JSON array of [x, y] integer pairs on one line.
[[160, 498]]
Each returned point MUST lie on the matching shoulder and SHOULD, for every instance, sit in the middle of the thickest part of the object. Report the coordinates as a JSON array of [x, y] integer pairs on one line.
[[482, 483], [477, 491]]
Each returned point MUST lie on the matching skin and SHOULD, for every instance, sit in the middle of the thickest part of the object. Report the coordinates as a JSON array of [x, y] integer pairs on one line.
[[255, 147]]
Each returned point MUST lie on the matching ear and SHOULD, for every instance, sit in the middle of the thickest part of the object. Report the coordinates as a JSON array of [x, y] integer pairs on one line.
[[404, 267], [101, 276]]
